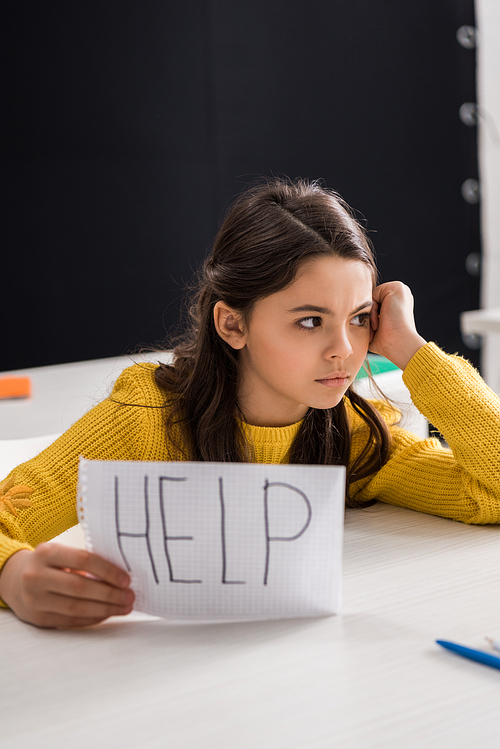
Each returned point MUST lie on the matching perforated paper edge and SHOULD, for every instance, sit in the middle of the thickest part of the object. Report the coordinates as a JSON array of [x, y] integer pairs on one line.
[[81, 502]]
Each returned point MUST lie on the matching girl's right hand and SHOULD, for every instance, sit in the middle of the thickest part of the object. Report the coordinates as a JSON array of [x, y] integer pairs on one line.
[[60, 586]]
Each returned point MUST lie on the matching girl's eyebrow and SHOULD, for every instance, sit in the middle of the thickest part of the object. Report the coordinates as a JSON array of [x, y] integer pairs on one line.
[[325, 310]]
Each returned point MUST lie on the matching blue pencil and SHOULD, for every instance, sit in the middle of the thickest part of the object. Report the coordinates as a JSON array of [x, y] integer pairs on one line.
[[474, 655]]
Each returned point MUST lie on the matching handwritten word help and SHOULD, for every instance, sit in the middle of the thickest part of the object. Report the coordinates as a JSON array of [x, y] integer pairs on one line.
[[219, 540], [163, 494]]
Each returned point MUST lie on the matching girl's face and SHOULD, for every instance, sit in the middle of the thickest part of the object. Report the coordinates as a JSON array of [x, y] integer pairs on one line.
[[303, 346]]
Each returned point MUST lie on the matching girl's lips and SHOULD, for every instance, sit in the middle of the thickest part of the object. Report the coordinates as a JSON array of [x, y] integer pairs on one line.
[[335, 382]]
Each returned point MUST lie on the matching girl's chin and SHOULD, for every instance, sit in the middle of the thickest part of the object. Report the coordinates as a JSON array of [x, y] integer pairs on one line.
[[329, 402]]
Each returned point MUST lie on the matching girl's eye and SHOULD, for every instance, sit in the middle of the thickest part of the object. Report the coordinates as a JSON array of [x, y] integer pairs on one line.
[[309, 322], [362, 320]]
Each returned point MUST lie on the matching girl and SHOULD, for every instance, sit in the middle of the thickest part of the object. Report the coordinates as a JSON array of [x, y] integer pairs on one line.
[[287, 307]]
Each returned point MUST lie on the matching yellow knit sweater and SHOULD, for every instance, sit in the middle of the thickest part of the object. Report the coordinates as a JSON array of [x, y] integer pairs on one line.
[[461, 483]]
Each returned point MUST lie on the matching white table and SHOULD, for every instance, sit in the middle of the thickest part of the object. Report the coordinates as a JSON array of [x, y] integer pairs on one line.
[[371, 677], [61, 394]]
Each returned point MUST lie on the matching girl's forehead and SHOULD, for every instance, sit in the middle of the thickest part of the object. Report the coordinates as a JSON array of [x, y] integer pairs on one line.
[[332, 276], [329, 282], [334, 265]]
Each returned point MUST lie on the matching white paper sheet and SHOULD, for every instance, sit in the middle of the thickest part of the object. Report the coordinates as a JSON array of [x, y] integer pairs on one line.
[[219, 541]]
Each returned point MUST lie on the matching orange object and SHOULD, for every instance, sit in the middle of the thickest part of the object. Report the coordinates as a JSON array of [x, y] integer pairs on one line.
[[15, 387]]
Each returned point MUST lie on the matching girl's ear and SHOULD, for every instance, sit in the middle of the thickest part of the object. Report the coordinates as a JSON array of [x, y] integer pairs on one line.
[[229, 325]]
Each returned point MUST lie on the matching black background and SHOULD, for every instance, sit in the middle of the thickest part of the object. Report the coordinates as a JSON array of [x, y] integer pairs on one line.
[[130, 126]]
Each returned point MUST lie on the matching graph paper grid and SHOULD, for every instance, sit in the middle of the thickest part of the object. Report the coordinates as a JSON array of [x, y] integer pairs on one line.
[[219, 541]]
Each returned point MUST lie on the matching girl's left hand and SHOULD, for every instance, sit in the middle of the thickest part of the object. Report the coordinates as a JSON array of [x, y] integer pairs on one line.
[[393, 333]]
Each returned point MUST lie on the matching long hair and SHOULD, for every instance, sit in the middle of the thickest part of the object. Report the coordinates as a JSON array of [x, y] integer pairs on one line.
[[271, 229]]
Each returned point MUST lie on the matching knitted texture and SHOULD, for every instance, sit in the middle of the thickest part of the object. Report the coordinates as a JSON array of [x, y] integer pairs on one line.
[[461, 483], [271, 444]]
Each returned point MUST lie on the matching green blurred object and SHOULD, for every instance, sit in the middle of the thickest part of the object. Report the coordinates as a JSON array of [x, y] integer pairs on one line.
[[378, 365]]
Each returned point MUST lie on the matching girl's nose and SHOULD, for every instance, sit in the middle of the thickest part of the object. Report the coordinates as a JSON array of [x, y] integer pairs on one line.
[[340, 347]]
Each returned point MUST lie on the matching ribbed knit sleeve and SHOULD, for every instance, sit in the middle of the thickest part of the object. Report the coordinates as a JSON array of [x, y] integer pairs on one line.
[[462, 482], [129, 425]]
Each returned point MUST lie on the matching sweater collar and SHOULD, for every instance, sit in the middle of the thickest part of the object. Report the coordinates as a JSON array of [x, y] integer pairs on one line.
[[271, 444]]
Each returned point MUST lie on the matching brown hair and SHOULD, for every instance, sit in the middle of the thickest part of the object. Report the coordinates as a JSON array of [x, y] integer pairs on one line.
[[271, 229]]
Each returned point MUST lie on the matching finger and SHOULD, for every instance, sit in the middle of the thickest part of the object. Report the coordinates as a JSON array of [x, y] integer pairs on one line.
[[48, 620], [57, 555], [374, 319], [80, 608], [75, 585], [46, 603], [78, 624], [378, 292]]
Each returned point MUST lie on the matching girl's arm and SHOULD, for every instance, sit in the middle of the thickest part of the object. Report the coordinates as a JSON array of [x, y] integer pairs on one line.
[[52, 585], [462, 482]]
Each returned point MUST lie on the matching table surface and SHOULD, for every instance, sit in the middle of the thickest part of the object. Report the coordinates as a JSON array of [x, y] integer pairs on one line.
[[370, 677], [61, 394]]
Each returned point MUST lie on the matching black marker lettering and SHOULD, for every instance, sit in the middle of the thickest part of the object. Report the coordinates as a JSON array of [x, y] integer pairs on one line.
[[120, 533], [223, 538], [166, 537], [269, 538]]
